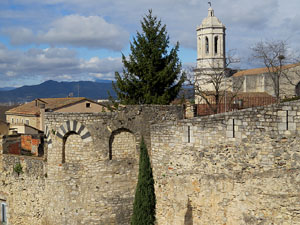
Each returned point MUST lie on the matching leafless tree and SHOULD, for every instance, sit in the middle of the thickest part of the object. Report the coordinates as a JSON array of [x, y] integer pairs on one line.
[[274, 56], [214, 87]]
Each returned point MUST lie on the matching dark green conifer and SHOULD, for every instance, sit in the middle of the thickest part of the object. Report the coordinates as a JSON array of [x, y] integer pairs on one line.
[[151, 74], [144, 202]]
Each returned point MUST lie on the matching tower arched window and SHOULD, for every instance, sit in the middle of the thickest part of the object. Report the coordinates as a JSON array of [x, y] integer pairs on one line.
[[206, 45], [216, 44]]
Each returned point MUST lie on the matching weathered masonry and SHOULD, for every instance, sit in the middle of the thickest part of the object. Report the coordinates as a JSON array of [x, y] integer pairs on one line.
[[89, 172], [235, 168]]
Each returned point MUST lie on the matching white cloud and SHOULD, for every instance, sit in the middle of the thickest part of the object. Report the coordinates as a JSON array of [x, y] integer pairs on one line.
[[106, 24], [107, 65], [74, 30], [38, 65]]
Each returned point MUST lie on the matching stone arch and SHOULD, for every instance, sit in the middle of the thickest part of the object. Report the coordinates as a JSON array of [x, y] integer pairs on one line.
[[72, 128], [297, 89], [122, 144], [47, 137], [75, 127]]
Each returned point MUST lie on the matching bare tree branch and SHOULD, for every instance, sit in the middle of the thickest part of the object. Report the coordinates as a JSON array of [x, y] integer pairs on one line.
[[275, 57], [214, 87]]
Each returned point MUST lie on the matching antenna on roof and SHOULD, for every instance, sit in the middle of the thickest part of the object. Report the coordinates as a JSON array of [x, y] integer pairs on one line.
[[209, 4]]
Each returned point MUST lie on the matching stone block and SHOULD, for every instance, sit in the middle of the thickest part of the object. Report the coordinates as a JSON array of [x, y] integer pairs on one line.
[[281, 126], [229, 134], [292, 126]]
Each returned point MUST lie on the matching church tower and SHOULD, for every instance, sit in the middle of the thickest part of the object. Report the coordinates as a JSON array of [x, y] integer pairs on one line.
[[211, 43], [210, 56]]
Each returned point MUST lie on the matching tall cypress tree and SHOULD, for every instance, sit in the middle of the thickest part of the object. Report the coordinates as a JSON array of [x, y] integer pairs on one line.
[[151, 74], [144, 202]]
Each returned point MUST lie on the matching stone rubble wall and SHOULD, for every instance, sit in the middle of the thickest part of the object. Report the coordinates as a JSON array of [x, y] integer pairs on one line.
[[89, 170], [94, 181], [235, 168], [24, 194]]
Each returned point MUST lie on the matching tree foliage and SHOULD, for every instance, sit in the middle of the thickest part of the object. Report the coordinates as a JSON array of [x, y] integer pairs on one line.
[[144, 202], [151, 73]]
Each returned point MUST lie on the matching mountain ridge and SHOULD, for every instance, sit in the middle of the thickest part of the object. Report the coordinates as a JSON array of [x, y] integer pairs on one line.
[[55, 89]]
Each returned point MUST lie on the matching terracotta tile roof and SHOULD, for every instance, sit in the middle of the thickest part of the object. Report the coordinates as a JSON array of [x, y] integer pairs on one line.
[[241, 94], [260, 70], [33, 107]]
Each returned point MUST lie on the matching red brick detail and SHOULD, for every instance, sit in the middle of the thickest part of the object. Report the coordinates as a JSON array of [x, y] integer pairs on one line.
[[26, 142], [14, 149], [35, 142]]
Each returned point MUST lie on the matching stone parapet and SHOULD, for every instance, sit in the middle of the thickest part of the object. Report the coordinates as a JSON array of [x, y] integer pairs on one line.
[[234, 168]]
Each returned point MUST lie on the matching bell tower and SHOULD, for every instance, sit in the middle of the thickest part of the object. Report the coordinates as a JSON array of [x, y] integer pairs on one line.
[[210, 57], [210, 43]]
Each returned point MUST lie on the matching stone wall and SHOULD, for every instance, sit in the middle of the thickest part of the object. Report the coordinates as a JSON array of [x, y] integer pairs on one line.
[[234, 168], [92, 163], [23, 193]]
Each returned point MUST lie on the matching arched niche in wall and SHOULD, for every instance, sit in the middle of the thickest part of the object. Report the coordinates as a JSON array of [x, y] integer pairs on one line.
[[72, 147], [74, 135], [122, 144], [206, 45], [216, 44]]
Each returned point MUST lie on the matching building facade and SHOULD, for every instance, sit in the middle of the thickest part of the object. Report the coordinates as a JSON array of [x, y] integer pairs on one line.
[[32, 113], [260, 80]]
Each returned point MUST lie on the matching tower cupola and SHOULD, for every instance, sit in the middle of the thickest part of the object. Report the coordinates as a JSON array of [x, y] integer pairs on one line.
[[211, 43]]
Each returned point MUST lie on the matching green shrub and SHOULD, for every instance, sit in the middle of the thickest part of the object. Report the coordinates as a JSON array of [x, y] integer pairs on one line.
[[18, 168], [144, 202]]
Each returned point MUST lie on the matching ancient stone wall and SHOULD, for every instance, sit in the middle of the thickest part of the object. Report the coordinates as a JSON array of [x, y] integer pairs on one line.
[[234, 168], [23, 193], [92, 163]]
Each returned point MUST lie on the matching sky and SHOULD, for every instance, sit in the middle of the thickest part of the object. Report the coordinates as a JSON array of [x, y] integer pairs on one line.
[[72, 40]]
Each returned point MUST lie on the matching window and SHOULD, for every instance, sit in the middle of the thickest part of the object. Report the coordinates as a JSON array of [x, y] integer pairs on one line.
[[216, 44], [27, 122], [17, 120], [12, 120], [88, 105], [3, 213], [206, 45]]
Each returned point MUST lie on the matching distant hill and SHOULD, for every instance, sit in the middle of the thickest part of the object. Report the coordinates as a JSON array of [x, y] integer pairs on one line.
[[54, 89], [7, 88]]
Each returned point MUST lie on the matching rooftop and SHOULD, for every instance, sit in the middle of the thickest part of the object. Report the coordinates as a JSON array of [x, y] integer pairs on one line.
[[33, 107], [261, 70]]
